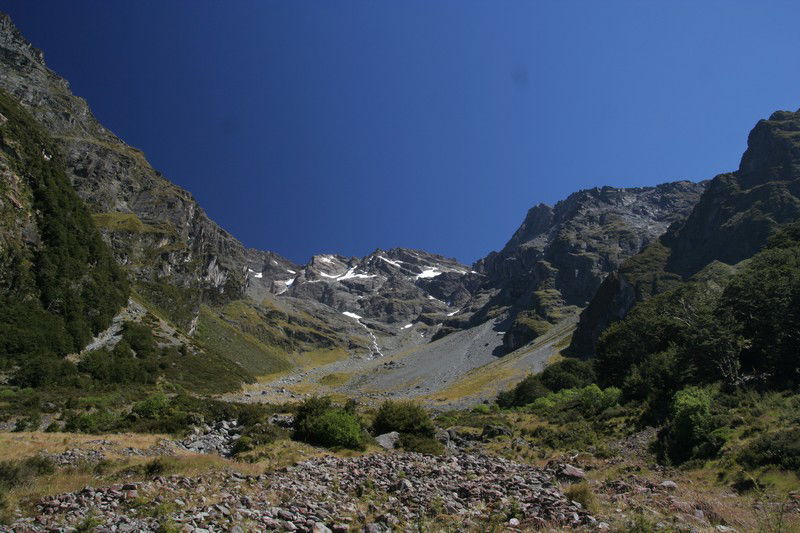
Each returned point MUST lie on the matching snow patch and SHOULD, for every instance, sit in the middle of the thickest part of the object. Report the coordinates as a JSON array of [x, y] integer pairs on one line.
[[393, 263], [375, 348], [453, 313], [290, 271], [428, 273], [407, 326], [325, 259]]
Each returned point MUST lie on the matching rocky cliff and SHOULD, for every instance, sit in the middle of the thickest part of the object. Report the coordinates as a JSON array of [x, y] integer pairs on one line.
[[731, 222], [559, 256], [156, 229]]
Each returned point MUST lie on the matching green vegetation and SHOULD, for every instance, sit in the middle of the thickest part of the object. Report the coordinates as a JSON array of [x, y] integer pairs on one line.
[[700, 360], [569, 373], [220, 336], [413, 423], [127, 222], [319, 422], [55, 296]]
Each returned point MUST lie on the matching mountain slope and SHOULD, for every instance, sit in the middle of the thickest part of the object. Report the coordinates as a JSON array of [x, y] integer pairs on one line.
[[559, 256], [731, 222], [59, 284], [156, 229]]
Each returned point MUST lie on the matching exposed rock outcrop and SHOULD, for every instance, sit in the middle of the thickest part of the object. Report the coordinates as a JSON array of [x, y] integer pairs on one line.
[[731, 222]]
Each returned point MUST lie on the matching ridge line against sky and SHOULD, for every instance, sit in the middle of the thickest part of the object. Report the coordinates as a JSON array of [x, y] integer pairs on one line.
[[364, 125]]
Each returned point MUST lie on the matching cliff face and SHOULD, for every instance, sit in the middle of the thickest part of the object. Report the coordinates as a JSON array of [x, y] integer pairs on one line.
[[155, 228], [559, 256], [730, 223]]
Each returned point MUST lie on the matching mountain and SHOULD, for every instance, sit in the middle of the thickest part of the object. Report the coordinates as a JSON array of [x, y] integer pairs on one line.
[[201, 288], [556, 260], [155, 229], [733, 219]]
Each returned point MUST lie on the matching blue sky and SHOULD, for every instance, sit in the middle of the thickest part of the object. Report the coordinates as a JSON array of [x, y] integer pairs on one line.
[[311, 127]]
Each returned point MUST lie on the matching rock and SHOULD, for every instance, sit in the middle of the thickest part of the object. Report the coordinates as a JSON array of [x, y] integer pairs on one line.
[[490, 432], [389, 440], [572, 472], [513, 522], [668, 484], [725, 529], [442, 436], [319, 527]]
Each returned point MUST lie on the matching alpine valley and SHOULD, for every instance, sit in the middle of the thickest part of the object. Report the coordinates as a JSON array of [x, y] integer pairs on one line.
[[628, 360]]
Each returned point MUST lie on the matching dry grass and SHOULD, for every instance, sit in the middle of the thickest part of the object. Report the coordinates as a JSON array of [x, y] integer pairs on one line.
[[15, 446]]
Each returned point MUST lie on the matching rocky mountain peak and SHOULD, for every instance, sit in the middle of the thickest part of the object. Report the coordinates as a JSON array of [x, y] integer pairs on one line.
[[773, 150]]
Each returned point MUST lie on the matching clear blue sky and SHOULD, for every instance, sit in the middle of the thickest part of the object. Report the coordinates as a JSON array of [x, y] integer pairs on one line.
[[341, 126]]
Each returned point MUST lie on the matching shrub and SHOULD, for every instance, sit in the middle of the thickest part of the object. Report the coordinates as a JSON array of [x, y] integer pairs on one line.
[[154, 407], [419, 444], [332, 428], [523, 393], [568, 374], [688, 433], [403, 417], [582, 493], [258, 435], [781, 448], [589, 400], [15, 473]]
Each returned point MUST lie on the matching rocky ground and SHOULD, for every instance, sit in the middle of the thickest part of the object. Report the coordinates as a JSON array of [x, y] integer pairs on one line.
[[374, 493], [428, 372]]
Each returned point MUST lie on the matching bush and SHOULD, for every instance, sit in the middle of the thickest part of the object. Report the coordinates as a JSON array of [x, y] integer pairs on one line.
[[589, 400], [319, 422], [523, 393], [781, 449], [332, 428], [688, 433], [568, 374], [15, 473], [403, 417], [419, 444], [154, 407]]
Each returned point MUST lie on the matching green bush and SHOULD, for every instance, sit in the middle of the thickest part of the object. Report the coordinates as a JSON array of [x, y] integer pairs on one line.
[[589, 400], [403, 417], [568, 374], [153, 407], [332, 428], [689, 430], [781, 448], [523, 393], [319, 422]]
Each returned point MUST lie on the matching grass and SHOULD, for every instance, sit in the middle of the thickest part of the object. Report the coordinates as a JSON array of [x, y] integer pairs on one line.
[[335, 379], [219, 336], [128, 222]]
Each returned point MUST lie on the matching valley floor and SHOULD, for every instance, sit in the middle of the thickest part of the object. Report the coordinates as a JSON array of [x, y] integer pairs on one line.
[[457, 371]]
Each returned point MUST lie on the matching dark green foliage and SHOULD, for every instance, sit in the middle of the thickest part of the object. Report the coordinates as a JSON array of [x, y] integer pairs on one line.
[[689, 430], [139, 338], [568, 374], [119, 366], [333, 428], [781, 448], [41, 370], [523, 393], [763, 300], [69, 287], [404, 417], [701, 333], [321, 423]]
